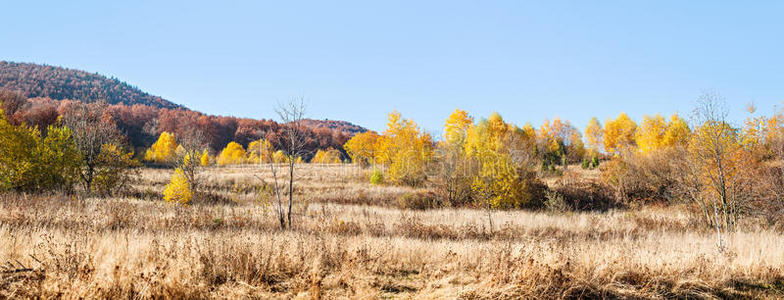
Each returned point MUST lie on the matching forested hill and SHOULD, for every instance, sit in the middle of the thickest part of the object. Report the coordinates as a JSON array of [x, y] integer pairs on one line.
[[38, 94], [33, 80]]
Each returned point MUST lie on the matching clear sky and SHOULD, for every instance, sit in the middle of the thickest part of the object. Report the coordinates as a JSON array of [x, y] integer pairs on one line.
[[357, 61]]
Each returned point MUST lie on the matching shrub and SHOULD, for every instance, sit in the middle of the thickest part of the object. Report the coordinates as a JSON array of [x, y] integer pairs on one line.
[[418, 200], [377, 177], [31, 163], [586, 163], [114, 173], [178, 190], [637, 178], [595, 162], [452, 177], [580, 194], [555, 202]]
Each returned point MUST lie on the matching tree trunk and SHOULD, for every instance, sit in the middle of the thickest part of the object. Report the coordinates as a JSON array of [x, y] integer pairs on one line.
[[291, 189], [277, 195]]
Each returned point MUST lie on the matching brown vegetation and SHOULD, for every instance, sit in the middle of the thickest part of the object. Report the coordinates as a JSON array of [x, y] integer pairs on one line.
[[135, 248]]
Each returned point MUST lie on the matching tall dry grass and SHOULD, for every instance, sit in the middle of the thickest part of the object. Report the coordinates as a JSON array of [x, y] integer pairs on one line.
[[134, 248]]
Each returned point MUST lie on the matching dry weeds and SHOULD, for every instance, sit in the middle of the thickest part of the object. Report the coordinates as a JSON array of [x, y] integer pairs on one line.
[[136, 248]]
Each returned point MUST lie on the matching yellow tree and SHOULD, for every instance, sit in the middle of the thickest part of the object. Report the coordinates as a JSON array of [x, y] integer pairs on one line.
[[560, 141], [594, 133], [205, 158], [452, 176], [361, 148], [405, 149], [259, 151], [456, 127], [232, 154], [502, 180], [329, 156], [280, 157], [164, 150], [650, 134], [619, 133], [677, 133], [178, 190]]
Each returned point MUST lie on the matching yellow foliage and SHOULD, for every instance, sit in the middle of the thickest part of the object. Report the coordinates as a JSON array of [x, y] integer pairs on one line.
[[677, 132], [650, 134], [205, 158], [456, 127], [594, 133], [280, 157], [500, 182], [656, 133], [361, 148], [405, 149], [231, 155], [619, 133], [560, 139], [329, 156], [164, 150], [31, 163], [178, 190], [259, 151]]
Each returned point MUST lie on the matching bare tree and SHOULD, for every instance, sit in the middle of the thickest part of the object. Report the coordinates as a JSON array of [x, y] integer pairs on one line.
[[92, 128], [193, 143], [11, 102], [292, 143]]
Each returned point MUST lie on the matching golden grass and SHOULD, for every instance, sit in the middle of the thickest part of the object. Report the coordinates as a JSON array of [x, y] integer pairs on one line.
[[132, 248]]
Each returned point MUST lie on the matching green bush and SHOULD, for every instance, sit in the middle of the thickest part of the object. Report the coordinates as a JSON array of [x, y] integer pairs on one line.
[[586, 163], [376, 177], [595, 162]]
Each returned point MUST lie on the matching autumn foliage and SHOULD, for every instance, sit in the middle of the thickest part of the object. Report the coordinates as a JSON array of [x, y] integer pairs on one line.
[[164, 150], [329, 156], [178, 190]]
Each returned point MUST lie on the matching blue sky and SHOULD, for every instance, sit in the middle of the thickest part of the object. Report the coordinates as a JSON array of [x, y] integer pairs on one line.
[[357, 61]]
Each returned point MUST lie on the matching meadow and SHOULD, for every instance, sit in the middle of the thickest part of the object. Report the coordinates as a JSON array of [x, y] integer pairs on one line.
[[351, 239]]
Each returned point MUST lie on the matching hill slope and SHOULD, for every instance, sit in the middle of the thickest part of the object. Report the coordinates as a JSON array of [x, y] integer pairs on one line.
[[59, 83]]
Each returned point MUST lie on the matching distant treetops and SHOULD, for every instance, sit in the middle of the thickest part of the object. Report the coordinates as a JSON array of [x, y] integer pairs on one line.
[[166, 151]]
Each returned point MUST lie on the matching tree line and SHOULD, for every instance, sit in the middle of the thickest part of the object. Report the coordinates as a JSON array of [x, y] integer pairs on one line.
[[720, 169], [141, 125]]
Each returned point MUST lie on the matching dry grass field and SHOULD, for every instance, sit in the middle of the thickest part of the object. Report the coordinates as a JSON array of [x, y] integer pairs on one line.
[[351, 240]]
